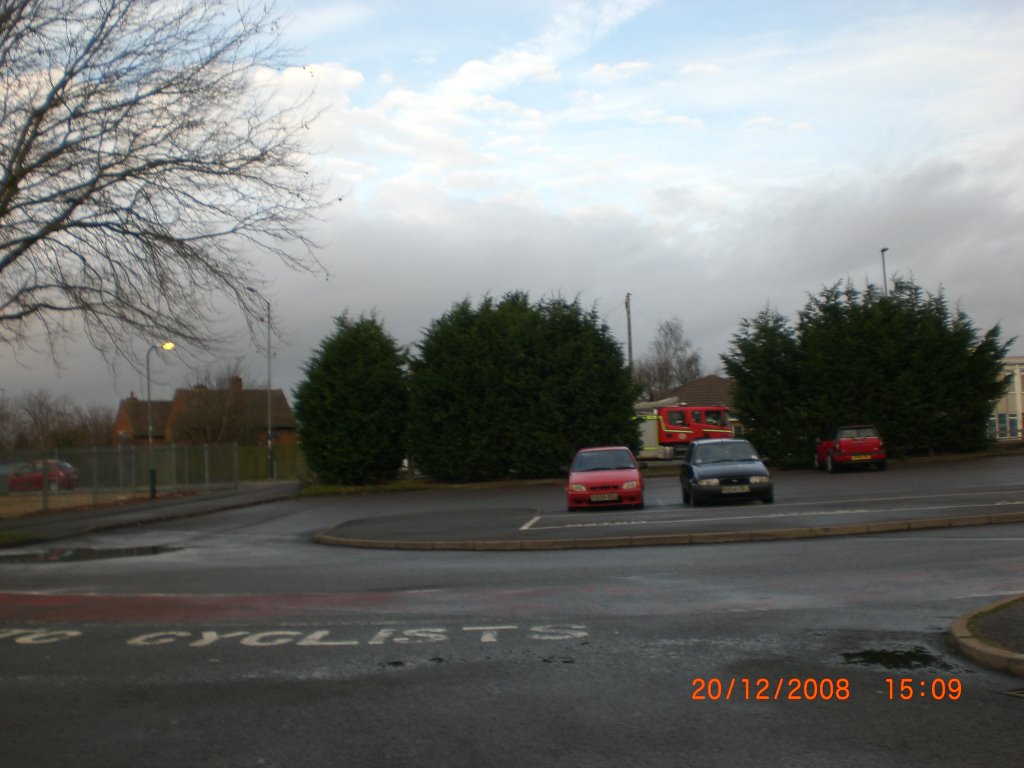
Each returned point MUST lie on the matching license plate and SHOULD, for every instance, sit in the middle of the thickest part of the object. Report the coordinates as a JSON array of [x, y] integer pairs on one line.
[[605, 497], [735, 489], [860, 458]]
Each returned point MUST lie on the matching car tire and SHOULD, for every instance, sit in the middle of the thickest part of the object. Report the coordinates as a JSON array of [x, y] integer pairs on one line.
[[769, 499], [883, 465], [694, 501]]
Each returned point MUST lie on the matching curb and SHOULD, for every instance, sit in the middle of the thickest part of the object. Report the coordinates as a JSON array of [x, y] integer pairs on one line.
[[668, 539], [988, 655]]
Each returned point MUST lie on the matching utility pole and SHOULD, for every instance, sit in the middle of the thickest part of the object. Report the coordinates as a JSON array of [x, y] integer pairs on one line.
[[629, 334], [885, 281]]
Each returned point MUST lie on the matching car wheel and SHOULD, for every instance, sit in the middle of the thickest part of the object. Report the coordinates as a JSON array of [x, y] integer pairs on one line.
[[829, 464], [686, 496], [769, 499], [694, 501], [639, 506], [883, 465]]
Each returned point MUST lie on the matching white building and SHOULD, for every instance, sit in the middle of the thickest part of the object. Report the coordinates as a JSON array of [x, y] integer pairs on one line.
[[1005, 423]]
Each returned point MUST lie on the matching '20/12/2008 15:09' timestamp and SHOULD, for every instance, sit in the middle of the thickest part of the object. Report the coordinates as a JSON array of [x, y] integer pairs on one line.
[[819, 689]]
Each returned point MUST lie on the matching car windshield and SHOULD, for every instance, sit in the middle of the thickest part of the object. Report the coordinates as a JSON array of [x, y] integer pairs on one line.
[[721, 452], [594, 461], [857, 432]]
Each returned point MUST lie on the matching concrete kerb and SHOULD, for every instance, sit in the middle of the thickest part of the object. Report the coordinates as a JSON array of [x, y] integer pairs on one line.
[[964, 640], [670, 539]]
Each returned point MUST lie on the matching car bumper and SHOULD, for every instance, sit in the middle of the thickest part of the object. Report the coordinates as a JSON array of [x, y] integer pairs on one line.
[[858, 458], [711, 492], [600, 500]]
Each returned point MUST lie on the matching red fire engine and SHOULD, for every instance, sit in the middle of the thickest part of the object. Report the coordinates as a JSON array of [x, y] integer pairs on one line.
[[667, 426]]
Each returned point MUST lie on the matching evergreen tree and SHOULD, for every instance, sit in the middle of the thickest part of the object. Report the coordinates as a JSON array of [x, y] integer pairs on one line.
[[352, 407], [764, 363], [511, 387], [903, 361]]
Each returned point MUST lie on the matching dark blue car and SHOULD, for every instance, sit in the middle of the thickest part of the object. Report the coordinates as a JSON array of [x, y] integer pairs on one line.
[[724, 469]]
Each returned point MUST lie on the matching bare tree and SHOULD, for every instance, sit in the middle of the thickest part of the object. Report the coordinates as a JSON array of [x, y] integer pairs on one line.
[[41, 417], [143, 166], [95, 426], [670, 362], [8, 424], [216, 409]]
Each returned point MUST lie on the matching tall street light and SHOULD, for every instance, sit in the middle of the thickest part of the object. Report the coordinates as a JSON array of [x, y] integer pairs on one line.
[[270, 428], [885, 281], [167, 346]]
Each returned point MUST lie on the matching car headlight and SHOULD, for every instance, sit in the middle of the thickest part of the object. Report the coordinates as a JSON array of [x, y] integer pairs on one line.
[[579, 487], [708, 481], [760, 479], [629, 485]]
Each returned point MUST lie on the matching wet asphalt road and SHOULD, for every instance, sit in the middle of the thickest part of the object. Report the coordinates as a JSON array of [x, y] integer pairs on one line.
[[250, 646]]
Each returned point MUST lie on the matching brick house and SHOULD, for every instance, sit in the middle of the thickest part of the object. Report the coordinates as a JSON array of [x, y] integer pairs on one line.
[[200, 415]]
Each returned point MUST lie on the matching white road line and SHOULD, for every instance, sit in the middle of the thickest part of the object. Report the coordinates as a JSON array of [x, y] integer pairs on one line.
[[529, 525], [769, 516]]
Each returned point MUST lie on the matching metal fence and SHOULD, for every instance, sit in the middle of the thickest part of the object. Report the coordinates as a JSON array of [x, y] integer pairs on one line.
[[107, 475]]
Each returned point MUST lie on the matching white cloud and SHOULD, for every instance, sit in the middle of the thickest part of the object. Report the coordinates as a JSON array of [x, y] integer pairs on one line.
[[504, 70], [700, 69], [611, 73]]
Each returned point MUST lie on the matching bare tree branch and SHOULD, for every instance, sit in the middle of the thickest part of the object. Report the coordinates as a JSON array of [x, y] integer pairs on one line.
[[670, 362], [144, 166]]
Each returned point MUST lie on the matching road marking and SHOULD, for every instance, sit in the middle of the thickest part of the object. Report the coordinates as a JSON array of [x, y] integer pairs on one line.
[[307, 638], [769, 516], [488, 634], [529, 525]]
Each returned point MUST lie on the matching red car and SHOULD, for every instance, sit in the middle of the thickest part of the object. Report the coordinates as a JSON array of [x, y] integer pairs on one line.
[[604, 477], [852, 445], [29, 476]]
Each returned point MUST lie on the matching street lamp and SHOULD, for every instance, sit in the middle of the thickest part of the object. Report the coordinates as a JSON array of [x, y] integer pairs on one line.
[[167, 346], [270, 432], [885, 282]]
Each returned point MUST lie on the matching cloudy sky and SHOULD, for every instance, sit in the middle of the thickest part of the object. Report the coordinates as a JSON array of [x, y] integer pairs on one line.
[[708, 158]]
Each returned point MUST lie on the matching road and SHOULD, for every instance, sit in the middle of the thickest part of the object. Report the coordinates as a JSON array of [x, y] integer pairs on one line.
[[244, 644]]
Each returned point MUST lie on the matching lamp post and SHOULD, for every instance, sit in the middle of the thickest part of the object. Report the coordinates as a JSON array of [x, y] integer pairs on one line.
[[167, 346], [885, 281], [270, 427]]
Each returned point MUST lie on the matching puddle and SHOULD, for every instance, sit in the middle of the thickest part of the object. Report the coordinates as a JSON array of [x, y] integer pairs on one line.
[[916, 658], [72, 554]]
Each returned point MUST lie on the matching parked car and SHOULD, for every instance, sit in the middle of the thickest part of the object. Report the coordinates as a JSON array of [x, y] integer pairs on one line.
[[853, 444], [29, 475], [724, 469], [603, 477]]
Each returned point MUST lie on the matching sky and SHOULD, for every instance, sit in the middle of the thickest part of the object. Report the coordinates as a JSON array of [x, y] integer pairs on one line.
[[708, 159]]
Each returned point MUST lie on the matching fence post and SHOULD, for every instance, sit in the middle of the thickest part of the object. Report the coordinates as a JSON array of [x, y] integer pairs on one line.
[[206, 464], [235, 457], [95, 475]]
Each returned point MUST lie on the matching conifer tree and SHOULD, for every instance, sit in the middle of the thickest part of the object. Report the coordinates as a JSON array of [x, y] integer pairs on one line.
[[514, 388], [352, 406]]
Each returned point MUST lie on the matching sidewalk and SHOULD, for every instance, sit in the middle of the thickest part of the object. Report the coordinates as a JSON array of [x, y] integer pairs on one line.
[[53, 526]]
